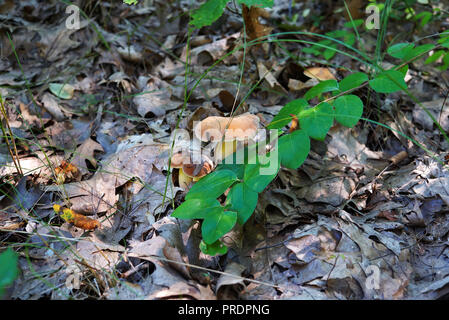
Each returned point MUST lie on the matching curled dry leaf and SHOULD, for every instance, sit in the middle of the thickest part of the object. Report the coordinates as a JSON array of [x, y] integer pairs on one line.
[[85, 152], [232, 276], [176, 261], [254, 28], [264, 73]]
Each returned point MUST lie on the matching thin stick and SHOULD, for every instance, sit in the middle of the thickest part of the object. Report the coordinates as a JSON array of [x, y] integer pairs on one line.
[[16, 158]]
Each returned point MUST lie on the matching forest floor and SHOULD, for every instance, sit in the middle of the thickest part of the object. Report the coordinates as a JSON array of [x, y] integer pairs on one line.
[[91, 111]]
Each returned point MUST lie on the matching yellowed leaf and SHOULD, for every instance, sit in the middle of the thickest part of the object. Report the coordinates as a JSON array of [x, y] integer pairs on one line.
[[319, 73]]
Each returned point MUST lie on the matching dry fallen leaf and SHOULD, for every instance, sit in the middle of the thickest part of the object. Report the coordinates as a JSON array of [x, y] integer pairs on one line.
[[232, 276], [155, 99], [254, 28], [52, 106], [135, 157], [319, 73], [264, 73], [86, 152]]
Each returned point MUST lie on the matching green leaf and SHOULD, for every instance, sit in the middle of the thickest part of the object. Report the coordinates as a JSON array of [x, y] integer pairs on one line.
[[435, 56], [217, 225], [315, 50], [284, 116], [337, 33], [8, 269], [294, 148], [352, 81], [349, 39], [198, 208], [323, 86], [259, 175], [357, 23], [216, 248], [130, 1], [406, 51], [418, 51], [348, 110], [424, 16], [403, 70], [213, 185], [317, 121], [400, 50], [388, 82], [243, 200], [208, 13], [63, 91], [329, 53], [445, 62], [444, 42], [257, 3], [238, 169]]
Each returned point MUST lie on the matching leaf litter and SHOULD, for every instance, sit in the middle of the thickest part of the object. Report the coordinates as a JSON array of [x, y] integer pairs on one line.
[[105, 99]]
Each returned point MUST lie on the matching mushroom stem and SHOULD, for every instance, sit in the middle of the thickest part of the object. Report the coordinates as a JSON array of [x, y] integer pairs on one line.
[[224, 149], [183, 179]]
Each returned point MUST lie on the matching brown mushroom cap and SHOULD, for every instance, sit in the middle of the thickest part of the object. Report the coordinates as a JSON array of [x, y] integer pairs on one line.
[[198, 170], [243, 127], [177, 160]]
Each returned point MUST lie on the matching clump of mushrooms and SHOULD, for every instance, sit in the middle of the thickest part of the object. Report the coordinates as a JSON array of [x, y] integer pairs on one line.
[[226, 134]]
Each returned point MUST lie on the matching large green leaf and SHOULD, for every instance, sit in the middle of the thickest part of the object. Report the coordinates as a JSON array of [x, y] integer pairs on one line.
[[213, 185], [217, 225], [348, 110], [294, 148], [257, 176], [8, 269], [284, 117], [216, 248], [238, 169], [352, 81], [388, 82], [400, 50], [323, 86], [208, 13], [197, 208], [243, 200], [435, 56], [418, 51], [406, 51], [317, 121]]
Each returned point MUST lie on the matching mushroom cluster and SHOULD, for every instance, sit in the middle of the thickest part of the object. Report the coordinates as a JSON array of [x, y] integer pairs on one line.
[[226, 134], [188, 171]]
